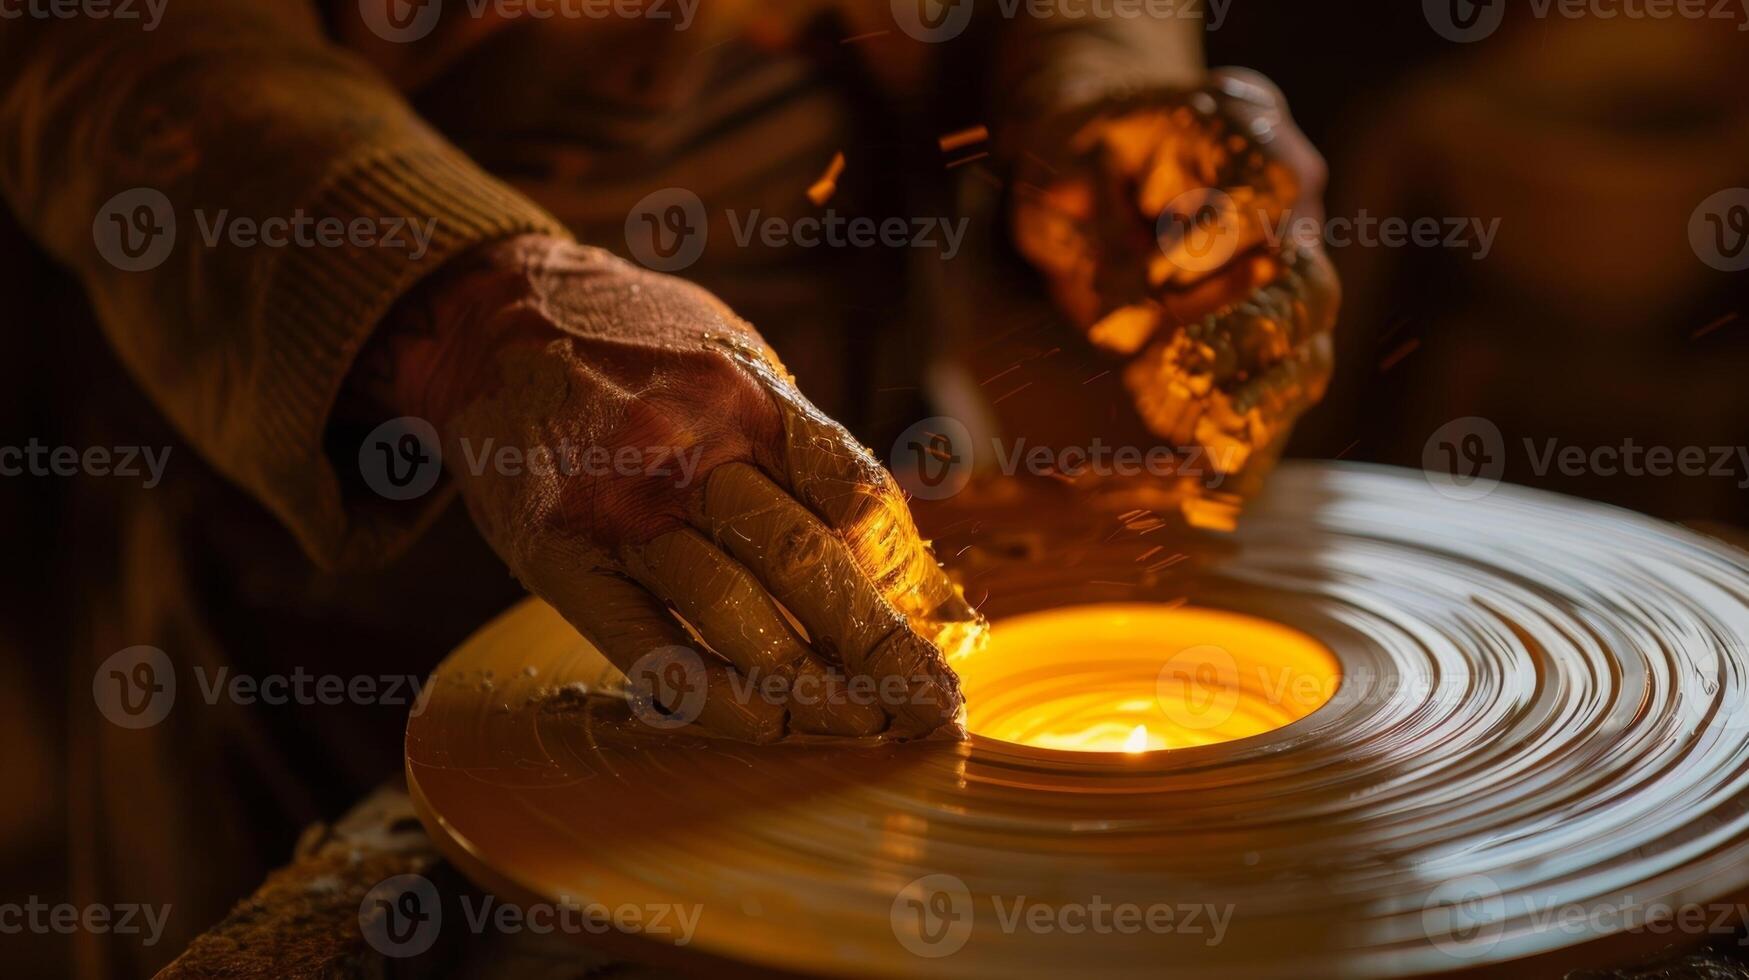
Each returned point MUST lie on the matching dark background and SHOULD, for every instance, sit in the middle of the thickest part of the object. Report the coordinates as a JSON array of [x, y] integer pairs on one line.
[[1592, 321]]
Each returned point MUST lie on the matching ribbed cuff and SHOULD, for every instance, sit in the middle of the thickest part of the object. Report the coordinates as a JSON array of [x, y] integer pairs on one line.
[[319, 307]]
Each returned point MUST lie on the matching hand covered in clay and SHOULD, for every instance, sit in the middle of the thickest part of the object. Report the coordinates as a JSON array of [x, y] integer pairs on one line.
[[1158, 223], [689, 493]]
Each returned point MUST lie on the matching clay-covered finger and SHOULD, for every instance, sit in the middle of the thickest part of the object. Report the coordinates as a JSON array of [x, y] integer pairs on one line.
[[1201, 233], [1235, 381], [721, 600], [735, 616], [637, 634], [1263, 110], [823, 701], [808, 568], [847, 488]]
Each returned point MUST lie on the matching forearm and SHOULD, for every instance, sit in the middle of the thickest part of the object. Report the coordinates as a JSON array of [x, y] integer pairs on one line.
[[1049, 66], [235, 115]]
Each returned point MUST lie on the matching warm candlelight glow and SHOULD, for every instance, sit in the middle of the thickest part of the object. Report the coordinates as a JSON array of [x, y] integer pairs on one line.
[[1136, 678]]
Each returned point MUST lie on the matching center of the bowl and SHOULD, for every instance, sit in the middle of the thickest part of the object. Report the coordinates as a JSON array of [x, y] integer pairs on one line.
[[1136, 677]]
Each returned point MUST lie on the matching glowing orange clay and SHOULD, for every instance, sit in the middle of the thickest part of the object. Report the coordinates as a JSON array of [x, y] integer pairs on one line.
[[1137, 678]]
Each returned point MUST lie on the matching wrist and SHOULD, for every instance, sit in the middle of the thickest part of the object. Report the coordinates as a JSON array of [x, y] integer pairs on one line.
[[1050, 75], [435, 348]]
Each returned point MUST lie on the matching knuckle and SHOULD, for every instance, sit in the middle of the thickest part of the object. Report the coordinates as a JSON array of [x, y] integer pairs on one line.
[[797, 550]]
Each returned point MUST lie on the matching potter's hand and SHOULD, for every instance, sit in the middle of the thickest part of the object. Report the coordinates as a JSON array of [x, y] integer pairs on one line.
[[1158, 224], [674, 469]]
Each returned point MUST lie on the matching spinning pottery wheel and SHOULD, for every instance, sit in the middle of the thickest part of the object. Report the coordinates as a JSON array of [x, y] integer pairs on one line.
[[1406, 734]]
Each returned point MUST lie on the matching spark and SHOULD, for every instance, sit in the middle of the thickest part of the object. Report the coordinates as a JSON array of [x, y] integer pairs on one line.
[[827, 185], [960, 139], [1010, 369], [1709, 328], [1408, 347], [1040, 162]]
